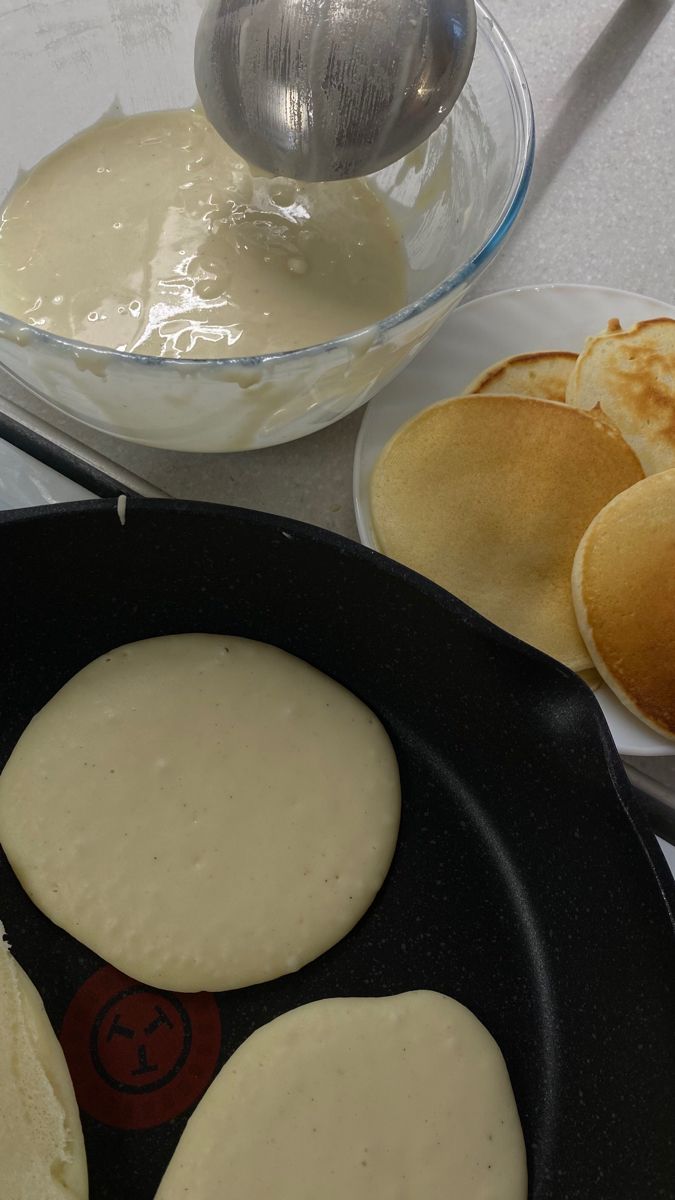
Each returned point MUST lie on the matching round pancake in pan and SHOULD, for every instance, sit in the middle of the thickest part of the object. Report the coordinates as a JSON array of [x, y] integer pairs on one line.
[[204, 812], [357, 1098]]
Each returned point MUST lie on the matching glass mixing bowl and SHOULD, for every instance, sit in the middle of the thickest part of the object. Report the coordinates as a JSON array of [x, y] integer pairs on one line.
[[455, 198]]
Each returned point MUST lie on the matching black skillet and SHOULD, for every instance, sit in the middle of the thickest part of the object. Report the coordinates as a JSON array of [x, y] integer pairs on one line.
[[525, 883]]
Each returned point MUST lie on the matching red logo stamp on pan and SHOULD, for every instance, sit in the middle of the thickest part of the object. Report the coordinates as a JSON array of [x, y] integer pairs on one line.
[[138, 1057]]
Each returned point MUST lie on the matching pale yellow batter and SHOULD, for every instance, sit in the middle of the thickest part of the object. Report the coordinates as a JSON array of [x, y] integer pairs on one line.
[[42, 1154], [148, 234], [400, 1098], [204, 812]]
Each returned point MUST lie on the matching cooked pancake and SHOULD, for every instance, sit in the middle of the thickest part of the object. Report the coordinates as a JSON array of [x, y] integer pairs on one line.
[[629, 375], [544, 375], [624, 595], [489, 495], [373, 1098], [41, 1148]]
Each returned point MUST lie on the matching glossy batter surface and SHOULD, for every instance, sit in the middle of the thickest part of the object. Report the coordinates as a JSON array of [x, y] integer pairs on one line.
[[148, 234]]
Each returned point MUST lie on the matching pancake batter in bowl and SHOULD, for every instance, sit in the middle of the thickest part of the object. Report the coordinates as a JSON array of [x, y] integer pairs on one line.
[[148, 234]]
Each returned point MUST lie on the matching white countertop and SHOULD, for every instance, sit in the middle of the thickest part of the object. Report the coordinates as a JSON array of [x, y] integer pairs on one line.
[[599, 211]]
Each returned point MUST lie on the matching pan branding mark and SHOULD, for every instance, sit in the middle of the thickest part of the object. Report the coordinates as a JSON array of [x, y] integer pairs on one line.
[[139, 1057]]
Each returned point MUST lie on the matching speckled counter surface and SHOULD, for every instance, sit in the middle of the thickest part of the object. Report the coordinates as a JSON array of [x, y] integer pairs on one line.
[[599, 211]]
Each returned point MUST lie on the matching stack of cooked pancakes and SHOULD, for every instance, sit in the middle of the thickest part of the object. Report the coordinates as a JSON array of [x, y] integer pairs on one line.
[[489, 494]]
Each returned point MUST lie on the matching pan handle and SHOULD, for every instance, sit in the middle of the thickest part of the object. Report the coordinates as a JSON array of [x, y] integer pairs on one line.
[[656, 800]]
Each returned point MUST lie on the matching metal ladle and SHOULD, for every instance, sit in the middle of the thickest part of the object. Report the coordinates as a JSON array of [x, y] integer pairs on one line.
[[331, 89]]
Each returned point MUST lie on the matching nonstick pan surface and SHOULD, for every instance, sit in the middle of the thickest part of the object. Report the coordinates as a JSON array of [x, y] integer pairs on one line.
[[525, 883]]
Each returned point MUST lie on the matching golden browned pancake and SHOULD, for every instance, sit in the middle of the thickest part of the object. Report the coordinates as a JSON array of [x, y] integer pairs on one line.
[[489, 495], [623, 585], [544, 375], [629, 375]]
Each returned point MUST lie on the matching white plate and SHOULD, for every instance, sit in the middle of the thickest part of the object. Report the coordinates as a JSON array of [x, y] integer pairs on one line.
[[476, 335], [24, 481]]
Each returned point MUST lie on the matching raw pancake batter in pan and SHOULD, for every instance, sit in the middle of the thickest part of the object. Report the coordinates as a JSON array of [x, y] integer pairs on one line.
[[368, 1098], [42, 1154], [204, 812]]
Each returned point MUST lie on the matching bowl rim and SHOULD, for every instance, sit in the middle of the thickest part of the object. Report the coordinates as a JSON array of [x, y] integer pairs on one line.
[[12, 328]]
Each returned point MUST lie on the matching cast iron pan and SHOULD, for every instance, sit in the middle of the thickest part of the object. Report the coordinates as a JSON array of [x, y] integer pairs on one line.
[[525, 883]]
